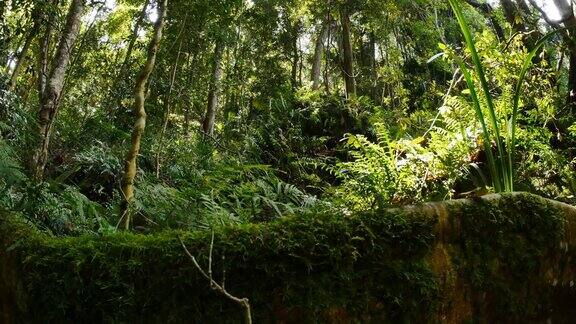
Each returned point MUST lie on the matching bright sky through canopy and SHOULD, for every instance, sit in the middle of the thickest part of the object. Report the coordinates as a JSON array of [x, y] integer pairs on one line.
[[547, 5]]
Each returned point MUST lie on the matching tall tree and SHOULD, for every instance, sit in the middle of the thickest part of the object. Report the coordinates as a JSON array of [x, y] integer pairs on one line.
[[131, 162], [3, 33], [296, 29], [52, 89], [22, 56], [347, 53], [318, 54], [126, 62], [214, 92], [568, 20]]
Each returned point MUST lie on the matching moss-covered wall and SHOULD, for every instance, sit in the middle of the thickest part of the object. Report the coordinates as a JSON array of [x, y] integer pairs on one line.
[[496, 259]]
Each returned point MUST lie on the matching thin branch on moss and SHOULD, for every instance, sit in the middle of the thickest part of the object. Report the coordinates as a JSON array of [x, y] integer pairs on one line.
[[244, 302], [210, 261]]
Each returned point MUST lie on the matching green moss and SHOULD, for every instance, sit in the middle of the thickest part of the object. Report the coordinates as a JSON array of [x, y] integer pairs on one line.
[[506, 246], [371, 267]]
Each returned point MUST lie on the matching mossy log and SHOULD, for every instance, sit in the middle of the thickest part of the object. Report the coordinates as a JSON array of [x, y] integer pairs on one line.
[[498, 258]]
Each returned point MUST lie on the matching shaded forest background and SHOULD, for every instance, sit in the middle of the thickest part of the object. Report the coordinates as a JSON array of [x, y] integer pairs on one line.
[[190, 114]]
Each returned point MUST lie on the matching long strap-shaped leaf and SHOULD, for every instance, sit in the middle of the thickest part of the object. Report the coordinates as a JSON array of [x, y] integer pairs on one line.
[[485, 132], [503, 170], [518, 92]]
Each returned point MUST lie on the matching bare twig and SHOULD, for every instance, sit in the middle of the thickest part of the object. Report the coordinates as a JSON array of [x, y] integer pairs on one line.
[[243, 302], [210, 260], [455, 81]]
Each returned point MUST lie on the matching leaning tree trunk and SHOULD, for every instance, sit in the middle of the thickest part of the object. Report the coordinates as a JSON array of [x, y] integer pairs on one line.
[[318, 54], [22, 57], [53, 87], [213, 95], [488, 12], [130, 165], [4, 33], [167, 102], [133, 38], [126, 62], [47, 19], [569, 20], [373, 67], [347, 55], [512, 15], [295, 54]]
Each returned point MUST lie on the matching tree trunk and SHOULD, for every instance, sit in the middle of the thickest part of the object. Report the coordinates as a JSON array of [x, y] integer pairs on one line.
[[22, 57], [571, 98], [295, 54], [167, 103], [4, 33], [43, 57], [569, 20], [130, 165], [373, 67], [488, 12], [133, 38], [512, 15], [318, 54], [53, 86], [347, 55], [213, 94], [126, 62]]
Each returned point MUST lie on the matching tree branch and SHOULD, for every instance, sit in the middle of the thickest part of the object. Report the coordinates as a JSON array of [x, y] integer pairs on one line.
[[244, 302]]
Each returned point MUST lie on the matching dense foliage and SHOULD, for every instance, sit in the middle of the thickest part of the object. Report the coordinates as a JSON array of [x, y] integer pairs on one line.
[[256, 110]]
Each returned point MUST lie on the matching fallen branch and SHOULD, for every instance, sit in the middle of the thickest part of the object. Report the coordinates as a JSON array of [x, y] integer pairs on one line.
[[243, 302]]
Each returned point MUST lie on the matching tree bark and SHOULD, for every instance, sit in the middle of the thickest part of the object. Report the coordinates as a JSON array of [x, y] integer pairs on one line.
[[347, 54], [53, 86], [318, 54], [213, 94], [130, 165]]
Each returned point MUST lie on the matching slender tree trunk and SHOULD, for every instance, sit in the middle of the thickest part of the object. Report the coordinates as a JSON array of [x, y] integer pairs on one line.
[[327, 51], [295, 54], [22, 57], [512, 15], [44, 55], [213, 94], [53, 87], [4, 33], [488, 12], [167, 103], [79, 51], [347, 55], [569, 20], [571, 98], [188, 98], [133, 38], [373, 66], [318, 54], [130, 165], [126, 62]]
